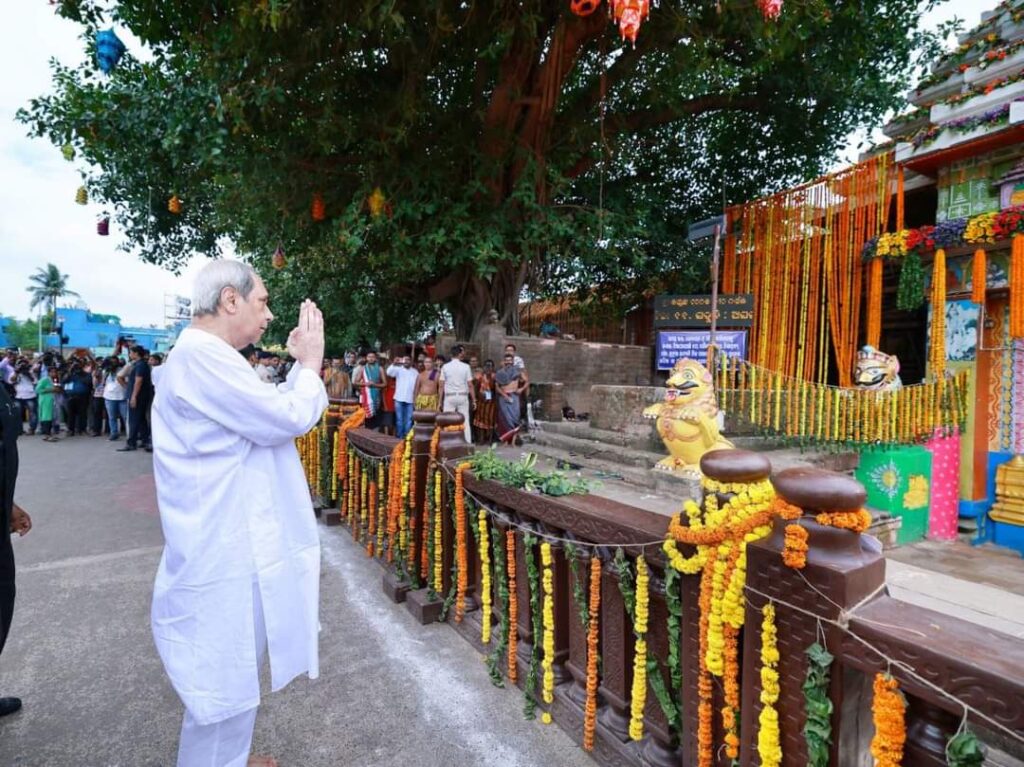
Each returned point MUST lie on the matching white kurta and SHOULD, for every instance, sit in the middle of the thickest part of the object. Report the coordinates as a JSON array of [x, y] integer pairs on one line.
[[235, 507]]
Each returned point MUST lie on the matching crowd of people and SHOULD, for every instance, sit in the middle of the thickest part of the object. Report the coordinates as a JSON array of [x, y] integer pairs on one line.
[[83, 395], [491, 398]]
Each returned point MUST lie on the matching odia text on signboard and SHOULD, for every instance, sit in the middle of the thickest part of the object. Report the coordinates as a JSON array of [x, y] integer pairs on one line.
[[734, 311], [693, 345]]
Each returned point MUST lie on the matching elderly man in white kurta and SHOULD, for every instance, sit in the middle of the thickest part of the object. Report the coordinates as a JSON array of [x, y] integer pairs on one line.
[[239, 577]]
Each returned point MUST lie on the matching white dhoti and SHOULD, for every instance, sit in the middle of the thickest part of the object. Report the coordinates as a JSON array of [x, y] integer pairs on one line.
[[226, 743], [459, 403]]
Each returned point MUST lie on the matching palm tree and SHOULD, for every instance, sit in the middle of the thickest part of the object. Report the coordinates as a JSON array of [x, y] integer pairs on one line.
[[46, 286]]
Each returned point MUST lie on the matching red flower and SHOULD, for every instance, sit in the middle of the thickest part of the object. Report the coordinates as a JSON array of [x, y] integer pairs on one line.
[[964, 67]]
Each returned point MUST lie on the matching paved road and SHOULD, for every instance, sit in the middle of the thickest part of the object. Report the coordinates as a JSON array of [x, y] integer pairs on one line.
[[81, 655]]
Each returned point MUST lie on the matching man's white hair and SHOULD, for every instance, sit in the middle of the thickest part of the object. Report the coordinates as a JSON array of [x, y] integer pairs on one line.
[[214, 277]]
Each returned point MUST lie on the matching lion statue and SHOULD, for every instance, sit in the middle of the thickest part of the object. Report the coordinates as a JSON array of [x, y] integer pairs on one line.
[[876, 371], [688, 418]]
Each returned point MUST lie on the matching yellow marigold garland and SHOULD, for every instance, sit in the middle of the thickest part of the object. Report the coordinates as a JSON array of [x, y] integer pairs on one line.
[[438, 539], [638, 698], [485, 578], [381, 509], [548, 618], [590, 707], [462, 556], [371, 538], [513, 606], [888, 711], [794, 552], [769, 745]]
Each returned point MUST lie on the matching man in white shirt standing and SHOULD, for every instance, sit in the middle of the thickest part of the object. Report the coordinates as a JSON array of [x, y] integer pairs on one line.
[[239, 577], [457, 394], [405, 376]]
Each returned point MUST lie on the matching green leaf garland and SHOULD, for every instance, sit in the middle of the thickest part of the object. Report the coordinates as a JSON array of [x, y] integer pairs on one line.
[[817, 706], [910, 290], [965, 750], [572, 555], [533, 578], [495, 657]]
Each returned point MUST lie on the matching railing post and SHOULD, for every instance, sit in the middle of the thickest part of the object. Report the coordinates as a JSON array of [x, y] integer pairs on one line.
[[616, 657], [660, 747], [843, 569], [451, 447], [419, 602], [929, 728]]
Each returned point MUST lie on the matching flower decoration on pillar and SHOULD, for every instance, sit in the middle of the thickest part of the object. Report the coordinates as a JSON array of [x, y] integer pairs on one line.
[[109, 50], [629, 15], [318, 210], [174, 205], [278, 261]]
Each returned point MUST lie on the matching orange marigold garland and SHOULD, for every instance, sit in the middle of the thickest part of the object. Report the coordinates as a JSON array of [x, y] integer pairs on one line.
[[874, 328], [1017, 287], [394, 497], [513, 607], [888, 710], [857, 521], [794, 552], [460, 543], [979, 276], [590, 708]]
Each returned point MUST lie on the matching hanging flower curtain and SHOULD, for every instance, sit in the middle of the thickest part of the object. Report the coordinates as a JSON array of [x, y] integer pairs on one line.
[[798, 253]]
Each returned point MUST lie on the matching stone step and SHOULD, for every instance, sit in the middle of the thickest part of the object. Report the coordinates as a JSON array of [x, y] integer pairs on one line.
[[643, 435], [657, 481], [591, 447]]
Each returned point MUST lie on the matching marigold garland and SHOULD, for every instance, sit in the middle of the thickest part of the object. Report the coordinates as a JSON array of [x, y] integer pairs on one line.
[[638, 698], [381, 509], [485, 578], [394, 497], [794, 552], [371, 539], [769, 745], [888, 711], [937, 335], [979, 276], [460, 543], [857, 521], [438, 539], [1017, 287], [590, 707], [513, 607], [409, 503], [548, 617]]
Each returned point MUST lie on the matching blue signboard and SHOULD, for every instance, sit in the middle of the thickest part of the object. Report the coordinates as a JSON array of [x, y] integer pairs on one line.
[[693, 344]]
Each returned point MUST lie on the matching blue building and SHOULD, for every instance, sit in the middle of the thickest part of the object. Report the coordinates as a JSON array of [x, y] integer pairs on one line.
[[99, 332]]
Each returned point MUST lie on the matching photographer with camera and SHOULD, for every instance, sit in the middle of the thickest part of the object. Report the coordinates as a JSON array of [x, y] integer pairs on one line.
[[25, 394], [77, 395]]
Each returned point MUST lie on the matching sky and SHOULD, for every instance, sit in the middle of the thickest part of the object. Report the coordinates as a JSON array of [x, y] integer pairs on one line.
[[39, 220]]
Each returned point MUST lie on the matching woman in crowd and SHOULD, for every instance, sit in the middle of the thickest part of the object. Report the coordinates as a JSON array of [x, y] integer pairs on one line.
[[486, 413]]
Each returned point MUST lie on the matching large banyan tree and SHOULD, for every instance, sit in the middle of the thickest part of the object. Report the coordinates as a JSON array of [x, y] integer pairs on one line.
[[414, 153]]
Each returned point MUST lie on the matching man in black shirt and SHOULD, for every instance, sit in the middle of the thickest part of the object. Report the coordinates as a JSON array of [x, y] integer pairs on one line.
[[140, 396]]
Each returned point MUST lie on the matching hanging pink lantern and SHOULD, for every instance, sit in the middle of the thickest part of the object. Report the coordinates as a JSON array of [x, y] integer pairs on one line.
[[629, 15], [103, 226]]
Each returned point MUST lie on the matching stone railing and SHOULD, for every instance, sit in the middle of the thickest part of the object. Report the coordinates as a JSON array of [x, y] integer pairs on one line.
[[842, 584]]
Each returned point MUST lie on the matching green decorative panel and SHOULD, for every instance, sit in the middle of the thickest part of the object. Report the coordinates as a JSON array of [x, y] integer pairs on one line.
[[898, 480]]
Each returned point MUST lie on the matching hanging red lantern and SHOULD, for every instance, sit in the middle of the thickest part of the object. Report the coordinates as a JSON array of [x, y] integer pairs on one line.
[[584, 7], [629, 15], [318, 211], [174, 205], [771, 9], [278, 260], [103, 226]]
